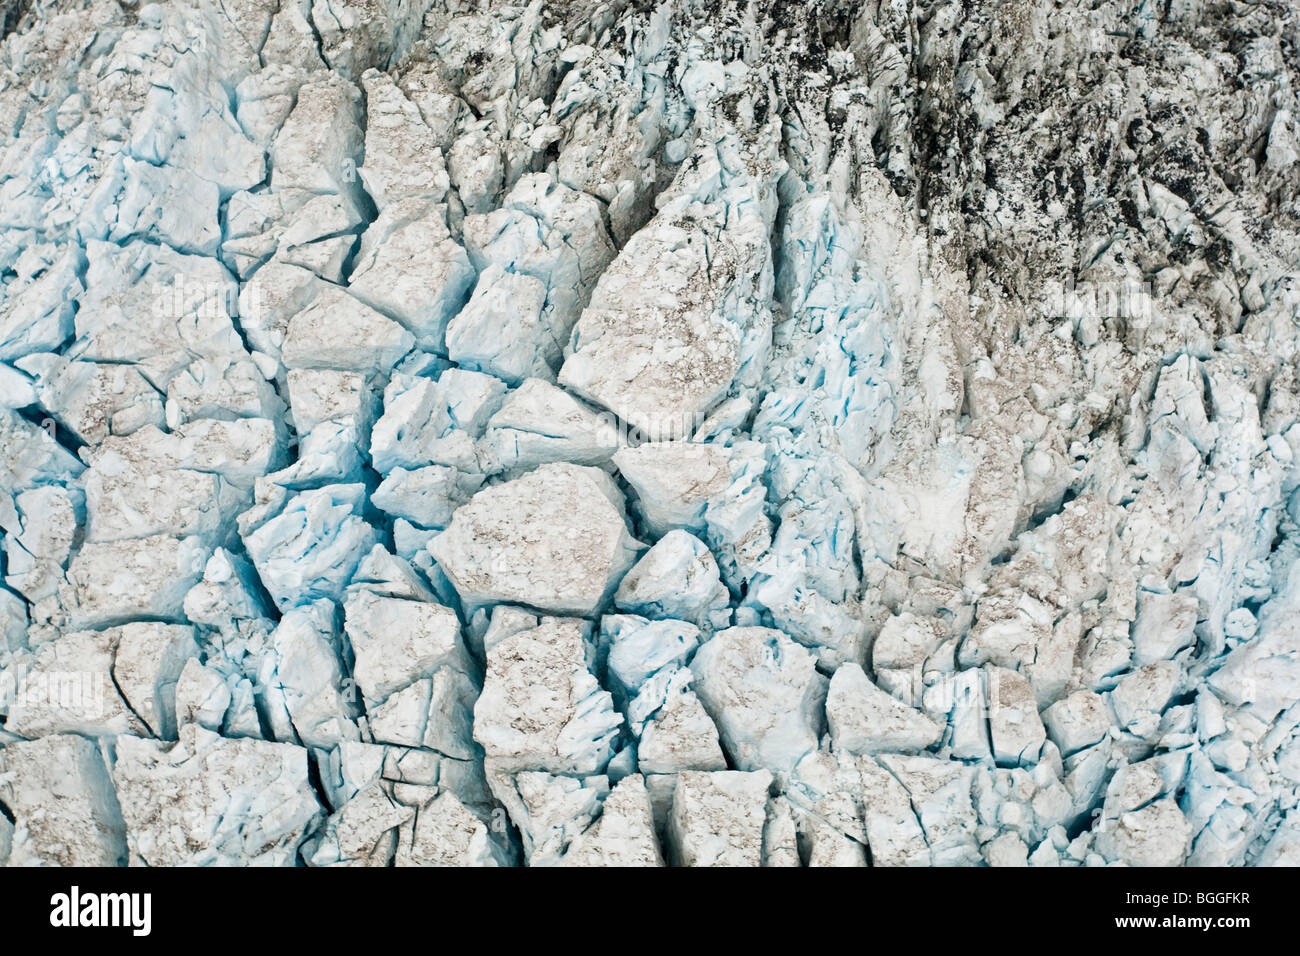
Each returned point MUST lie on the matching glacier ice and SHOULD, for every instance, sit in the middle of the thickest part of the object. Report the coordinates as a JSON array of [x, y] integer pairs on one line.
[[506, 545], [718, 819], [541, 706], [452, 433]]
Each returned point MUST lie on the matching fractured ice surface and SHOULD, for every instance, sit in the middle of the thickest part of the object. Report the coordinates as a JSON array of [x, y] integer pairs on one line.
[[541, 706], [764, 691], [177, 802], [452, 433], [508, 545], [718, 818], [676, 578], [83, 826]]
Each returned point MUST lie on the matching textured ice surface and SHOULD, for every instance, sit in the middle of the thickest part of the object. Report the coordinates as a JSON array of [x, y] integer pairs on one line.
[[453, 433]]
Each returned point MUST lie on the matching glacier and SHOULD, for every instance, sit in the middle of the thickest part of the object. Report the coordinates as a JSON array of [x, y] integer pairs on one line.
[[672, 433]]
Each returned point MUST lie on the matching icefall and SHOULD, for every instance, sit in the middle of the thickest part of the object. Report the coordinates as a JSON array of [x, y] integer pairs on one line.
[[445, 433]]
